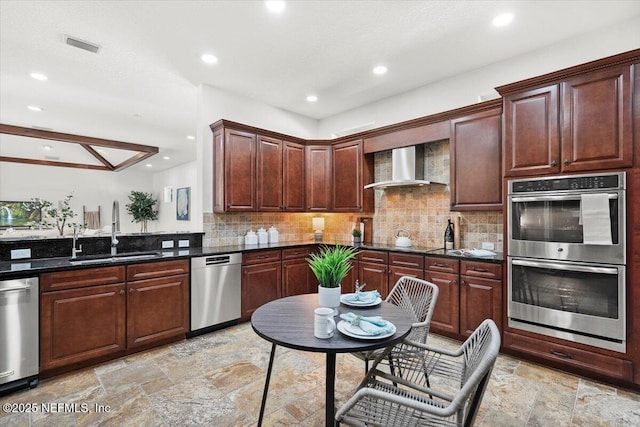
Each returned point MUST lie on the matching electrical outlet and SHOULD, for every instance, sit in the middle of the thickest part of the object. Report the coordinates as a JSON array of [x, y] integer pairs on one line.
[[166, 244], [183, 243], [20, 253], [488, 245]]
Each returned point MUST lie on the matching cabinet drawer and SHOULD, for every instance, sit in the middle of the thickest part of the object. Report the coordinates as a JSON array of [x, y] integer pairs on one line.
[[406, 260], [481, 269], [373, 256], [597, 363], [149, 270], [259, 257], [294, 253], [445, 265], [80, 278]]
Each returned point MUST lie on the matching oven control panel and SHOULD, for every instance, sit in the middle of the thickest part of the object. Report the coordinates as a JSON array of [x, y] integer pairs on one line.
[[569, 183]]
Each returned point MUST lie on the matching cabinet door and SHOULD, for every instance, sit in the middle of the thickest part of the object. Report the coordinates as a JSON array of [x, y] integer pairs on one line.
[[375, 276], [239, 170], [395, 273], [81, 324], [531, 132], [261, 283], [476, 161], [349, 282], [597, 130], [293, 177], [347, 160], [318, 177], [296, 278], [269, 174], [157, 309], [446, 316], [480, 299]]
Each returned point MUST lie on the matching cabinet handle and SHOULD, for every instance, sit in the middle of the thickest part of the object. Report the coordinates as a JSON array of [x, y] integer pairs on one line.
[[131, 290], [261, 257], [566, 161], [479, 270], [554, 163], [454, 282], [561, 354], [122, 292], [437, 264]]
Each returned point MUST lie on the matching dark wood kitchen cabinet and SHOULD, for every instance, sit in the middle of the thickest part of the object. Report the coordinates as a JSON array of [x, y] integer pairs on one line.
[[443, 272], [293, 190], [101, 313], [318, 183], [269, 174], [373, 270], [476, 159], [351, 171], [404, 264], [261, 279], [239, 182], [480, 295], [579, 120], [297, 277], [158, 304]]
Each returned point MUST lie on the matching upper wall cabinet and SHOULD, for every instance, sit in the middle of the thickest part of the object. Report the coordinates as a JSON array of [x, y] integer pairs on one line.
[[318, 177], [237, 151], [351, 171], [476, 165], [574, 120]]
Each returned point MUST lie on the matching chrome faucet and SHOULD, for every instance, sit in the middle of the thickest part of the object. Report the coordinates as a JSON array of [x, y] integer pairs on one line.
[[75, 251], [115, 226]]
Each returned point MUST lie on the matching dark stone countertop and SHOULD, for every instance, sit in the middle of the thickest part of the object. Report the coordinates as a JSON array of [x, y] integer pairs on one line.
[[31, 267]]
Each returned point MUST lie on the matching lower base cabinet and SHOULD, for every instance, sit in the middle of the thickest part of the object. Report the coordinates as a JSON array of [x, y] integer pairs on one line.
[[95, 313], [261, 280], [297, 277]]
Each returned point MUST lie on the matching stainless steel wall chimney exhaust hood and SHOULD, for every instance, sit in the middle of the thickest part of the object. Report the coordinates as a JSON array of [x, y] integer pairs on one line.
[[407, 169]]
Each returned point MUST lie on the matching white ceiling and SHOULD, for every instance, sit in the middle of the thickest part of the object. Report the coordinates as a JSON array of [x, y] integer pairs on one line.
[[142, 86]]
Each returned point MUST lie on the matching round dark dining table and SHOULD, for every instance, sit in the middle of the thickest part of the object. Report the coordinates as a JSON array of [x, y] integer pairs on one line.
[[289, 322]]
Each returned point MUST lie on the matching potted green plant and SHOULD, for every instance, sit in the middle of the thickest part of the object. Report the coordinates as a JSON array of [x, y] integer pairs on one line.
[[357, 236], [141, 208], [330, 266]]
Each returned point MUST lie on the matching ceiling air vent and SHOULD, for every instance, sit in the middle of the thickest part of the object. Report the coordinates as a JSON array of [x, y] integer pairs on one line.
[[52, 157], [81, 44]]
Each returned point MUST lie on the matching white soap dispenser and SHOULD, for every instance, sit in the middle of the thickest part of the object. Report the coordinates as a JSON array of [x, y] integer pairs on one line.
[[273, 235], [263, 236]]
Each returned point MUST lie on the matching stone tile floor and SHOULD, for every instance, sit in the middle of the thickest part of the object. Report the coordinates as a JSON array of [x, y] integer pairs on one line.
[[217, 380]]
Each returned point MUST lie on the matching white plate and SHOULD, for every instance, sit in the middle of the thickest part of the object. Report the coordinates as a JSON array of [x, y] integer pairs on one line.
[[355, 332], [360, 303]]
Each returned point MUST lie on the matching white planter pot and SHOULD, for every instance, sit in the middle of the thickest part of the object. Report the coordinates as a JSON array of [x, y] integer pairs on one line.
[[329, 297]]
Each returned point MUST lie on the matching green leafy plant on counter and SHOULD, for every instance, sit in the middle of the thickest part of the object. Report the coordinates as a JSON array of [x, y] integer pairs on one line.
[[331, 265], [60, 214], [141, 208], [356, 233]]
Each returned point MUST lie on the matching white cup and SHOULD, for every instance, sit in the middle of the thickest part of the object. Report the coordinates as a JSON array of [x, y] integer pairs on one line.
[[323, 324]]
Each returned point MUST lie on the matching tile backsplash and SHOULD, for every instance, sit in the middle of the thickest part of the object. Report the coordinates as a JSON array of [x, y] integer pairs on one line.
[[422, 211]]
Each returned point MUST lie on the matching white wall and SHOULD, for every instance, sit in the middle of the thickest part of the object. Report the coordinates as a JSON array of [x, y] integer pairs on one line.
[[178, 177], [215, 104], [464, 89], [90, 188]]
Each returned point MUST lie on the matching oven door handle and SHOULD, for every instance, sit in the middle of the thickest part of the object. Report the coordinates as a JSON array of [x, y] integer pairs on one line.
[[553, 198], [558, 266]]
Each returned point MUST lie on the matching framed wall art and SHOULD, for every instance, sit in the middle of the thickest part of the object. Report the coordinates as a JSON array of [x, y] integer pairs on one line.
[[183, 204]]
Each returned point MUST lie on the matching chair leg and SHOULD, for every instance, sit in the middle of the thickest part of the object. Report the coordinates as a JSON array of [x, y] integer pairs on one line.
[[392, 369], [366, 365]]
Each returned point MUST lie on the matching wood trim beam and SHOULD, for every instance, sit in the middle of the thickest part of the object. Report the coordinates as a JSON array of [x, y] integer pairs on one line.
[[53, 163], [97, 155]]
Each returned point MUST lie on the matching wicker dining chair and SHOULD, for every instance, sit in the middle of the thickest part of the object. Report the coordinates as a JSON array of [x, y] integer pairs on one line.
[[458, 381], [418, 298]]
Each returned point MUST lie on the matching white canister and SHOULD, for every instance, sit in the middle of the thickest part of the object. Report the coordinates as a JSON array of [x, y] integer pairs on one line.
[[263, 236], [273, 235], [323, 324], [251, 238]]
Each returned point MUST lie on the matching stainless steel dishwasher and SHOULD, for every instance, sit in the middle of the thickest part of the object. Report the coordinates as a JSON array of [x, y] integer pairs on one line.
[[19, 345], [215, 291]]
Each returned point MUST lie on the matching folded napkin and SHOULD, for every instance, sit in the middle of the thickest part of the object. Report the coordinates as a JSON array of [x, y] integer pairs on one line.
[[365, 297], [372, 325]]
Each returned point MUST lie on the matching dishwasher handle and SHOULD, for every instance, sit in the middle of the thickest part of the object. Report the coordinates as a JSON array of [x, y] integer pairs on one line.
[[215, 260]]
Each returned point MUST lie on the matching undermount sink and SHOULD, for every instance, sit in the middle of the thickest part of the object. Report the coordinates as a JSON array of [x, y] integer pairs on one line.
[[113, 258]]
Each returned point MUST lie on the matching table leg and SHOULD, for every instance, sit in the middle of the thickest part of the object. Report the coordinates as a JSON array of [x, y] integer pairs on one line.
[[266, 384], [329, 411]]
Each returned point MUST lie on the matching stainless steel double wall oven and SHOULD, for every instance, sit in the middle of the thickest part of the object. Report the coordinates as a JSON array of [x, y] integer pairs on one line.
[[566, 257]]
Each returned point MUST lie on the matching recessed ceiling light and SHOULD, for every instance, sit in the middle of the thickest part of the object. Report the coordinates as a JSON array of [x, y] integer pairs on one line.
[[166, 157], [503, 19], [39, 76], [275, 6], [46, 147], [379, 69], [207, 58], [312, 98], [149, 165], [34, 108], [191, 137]]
